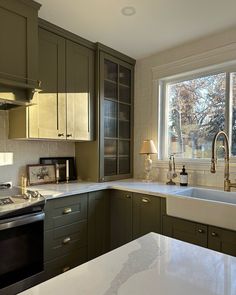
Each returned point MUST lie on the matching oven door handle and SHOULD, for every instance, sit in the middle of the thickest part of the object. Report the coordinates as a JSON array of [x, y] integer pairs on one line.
[[21, 220]]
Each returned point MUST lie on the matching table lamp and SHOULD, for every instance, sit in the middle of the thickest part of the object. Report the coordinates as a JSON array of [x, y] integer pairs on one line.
[[148, 147]]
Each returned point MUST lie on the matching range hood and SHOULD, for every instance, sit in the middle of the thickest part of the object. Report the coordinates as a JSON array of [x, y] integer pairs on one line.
[[15, 96]]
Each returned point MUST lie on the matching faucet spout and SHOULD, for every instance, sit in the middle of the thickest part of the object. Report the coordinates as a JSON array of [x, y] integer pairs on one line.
[[227, 184]]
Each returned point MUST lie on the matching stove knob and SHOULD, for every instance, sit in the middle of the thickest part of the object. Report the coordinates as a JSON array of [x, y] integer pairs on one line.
[[35, 194], [27, 196]]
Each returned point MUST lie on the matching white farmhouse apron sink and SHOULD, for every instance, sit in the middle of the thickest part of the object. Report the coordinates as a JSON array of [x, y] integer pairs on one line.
[[207, 206]]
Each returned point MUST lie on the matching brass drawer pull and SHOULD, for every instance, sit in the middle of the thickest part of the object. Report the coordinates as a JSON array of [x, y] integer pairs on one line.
[[201, 231], [66, 240], [60, 134], [67, 210], [66, 268], [145, 200], [214, 234], [69, 135], [128, 196]]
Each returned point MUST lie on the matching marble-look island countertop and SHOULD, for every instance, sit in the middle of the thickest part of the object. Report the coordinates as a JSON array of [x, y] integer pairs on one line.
[[153, 265]]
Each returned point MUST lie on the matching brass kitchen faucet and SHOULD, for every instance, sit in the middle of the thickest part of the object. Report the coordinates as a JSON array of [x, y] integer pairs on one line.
[[227, 182]]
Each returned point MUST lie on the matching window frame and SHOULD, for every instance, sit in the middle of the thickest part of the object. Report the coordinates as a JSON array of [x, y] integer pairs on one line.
[[162, 103]]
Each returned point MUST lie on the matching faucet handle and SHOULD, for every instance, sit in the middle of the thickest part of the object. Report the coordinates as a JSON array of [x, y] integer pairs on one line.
[[213, 166]]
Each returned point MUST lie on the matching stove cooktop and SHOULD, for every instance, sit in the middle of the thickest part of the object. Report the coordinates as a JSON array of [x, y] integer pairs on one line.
[[18, 199]]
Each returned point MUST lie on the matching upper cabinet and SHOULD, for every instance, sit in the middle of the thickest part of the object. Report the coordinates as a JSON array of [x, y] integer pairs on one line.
[[51, 101], [19, 43], [110, 156], [63, 110], [116, 100], [80, 91]]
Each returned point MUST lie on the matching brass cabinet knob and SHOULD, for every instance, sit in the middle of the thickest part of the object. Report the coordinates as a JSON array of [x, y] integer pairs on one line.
[[66, 268], [66, 240], [69, 135], [146, 200], [214, 234], [67, 210], [128, 196], [60, 134], [201, 231]]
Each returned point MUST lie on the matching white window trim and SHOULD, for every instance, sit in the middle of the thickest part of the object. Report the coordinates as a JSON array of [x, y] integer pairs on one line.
[[207, 62]]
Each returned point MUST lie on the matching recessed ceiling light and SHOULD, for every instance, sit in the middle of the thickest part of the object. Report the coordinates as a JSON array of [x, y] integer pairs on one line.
[[128, 10]]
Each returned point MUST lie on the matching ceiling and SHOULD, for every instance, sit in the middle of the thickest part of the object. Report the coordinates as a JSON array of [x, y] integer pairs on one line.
[[157, 24]]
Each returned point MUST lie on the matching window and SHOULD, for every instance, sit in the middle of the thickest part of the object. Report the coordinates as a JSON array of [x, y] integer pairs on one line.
[[196, 108]]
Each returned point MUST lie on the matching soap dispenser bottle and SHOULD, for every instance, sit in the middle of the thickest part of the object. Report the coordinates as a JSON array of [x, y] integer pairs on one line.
[[183, 177]]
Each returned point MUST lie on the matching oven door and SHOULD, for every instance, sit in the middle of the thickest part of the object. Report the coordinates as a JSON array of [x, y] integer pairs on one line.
[[21, 248]]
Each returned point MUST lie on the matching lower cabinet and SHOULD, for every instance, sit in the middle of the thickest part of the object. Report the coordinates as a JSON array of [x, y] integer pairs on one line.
[[121, 218], [146, 215], [65, 235], [188, 231], [98, 223], [222, 240]]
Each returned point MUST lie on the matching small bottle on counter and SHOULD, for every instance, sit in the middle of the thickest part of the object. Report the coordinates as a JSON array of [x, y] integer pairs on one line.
[[183, 177]]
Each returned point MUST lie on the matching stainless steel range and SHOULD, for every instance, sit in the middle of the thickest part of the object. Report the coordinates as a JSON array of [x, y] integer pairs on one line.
[[18, 201], [21, 234]]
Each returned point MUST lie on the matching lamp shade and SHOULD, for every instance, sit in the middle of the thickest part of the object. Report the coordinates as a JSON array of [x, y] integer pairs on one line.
[[148, 147]]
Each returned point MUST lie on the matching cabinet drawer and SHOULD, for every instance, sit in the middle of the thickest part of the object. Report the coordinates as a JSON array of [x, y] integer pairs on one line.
[[222, 240], [65, 263], [65, 210], [188, 231], [64, 239]]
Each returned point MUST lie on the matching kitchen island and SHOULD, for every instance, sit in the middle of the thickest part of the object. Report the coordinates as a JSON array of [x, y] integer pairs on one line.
[[152, 264]]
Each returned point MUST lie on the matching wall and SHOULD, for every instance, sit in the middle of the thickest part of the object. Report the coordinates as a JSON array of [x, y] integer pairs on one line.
[[25, 152], [210, 50]]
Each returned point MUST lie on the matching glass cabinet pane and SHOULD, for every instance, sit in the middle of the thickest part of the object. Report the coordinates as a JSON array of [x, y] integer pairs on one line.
[[110, 70], [110, 90], [124, 94], [110, 166], [110, 118], [124, 165], [110, 147], [124, 148], [124, 121], [125, 76]]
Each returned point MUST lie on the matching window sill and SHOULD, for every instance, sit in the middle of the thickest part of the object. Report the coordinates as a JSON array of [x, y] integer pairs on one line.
[[193, 164]]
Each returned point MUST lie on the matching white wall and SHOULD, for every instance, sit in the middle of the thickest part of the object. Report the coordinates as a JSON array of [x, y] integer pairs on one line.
[[26, 152], [211, 50]]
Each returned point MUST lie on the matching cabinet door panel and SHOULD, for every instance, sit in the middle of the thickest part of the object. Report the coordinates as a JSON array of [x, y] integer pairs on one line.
[[52, 100], [222, 240], [188, 231], [121, 218], [80, 91], [98, 223], [19, 42], [146, 215]]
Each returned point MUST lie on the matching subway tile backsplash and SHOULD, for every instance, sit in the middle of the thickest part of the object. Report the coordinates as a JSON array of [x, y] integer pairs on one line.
[[16, 154]]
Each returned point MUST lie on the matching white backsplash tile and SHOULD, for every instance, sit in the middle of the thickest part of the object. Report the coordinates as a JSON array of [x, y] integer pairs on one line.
[[25, 152]]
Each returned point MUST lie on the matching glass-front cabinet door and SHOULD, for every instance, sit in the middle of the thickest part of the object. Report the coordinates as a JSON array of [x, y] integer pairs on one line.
[[116, 110]]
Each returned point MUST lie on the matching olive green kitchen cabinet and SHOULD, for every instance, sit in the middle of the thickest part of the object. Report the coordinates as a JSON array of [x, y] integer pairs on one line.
[[65, 234], [188, 231], [110, 156], [146, 215], [98, 223], [79, 91], [63, 110], [19, 44], [121, 218], [47, 118], [222, 240]]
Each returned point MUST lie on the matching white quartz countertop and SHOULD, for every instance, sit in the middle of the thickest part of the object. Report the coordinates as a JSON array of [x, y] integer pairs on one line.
[[50, 191], [153, 265]]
